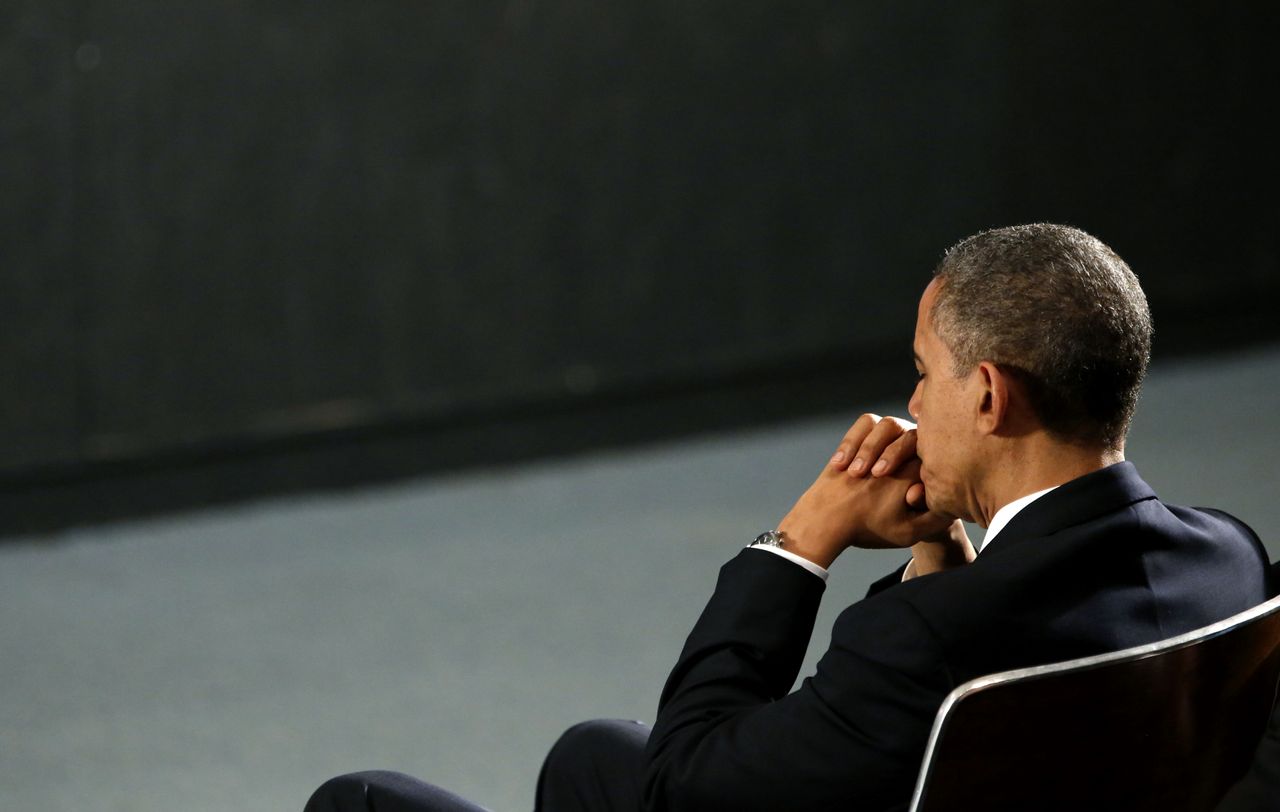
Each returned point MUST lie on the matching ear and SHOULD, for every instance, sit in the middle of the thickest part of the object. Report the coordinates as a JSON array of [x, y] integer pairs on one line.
[[994, 391]]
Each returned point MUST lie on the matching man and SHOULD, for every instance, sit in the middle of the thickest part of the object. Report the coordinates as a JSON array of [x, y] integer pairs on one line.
[[1031, 344]]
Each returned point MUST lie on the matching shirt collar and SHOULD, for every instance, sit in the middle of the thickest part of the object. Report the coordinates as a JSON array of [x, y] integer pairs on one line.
[[1005, 514]]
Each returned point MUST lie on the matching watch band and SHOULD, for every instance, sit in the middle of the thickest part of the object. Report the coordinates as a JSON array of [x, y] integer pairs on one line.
[[776, 542]]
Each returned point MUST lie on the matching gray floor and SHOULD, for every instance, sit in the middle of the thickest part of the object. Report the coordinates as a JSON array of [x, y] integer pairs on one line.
[[233, 659]]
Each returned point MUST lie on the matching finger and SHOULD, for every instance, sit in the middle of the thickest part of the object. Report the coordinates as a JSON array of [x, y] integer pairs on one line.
[[915, 497], [928, 523], [900, 451], [852, 440], [874, 444]]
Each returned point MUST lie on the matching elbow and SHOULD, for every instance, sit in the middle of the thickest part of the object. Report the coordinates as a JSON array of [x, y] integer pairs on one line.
[[670, 785]]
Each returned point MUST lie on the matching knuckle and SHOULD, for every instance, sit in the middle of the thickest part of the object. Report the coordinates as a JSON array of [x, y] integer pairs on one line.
[[881, 435], [861, 427]]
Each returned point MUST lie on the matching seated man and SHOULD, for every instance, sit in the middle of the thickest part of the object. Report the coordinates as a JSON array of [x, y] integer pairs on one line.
[[1031, 345]]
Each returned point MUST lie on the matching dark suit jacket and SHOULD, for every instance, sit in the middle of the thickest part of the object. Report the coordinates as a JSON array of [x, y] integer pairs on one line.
[[1097, 565]]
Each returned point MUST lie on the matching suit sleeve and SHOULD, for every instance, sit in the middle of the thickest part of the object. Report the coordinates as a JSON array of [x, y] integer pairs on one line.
[[892, 579], [729, 736]]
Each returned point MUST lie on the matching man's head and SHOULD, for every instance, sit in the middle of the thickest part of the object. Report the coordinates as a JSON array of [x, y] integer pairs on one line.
[[1045, 317]]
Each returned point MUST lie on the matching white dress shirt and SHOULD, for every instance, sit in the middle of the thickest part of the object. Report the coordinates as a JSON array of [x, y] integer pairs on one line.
[[1005, 514], [821, 572]]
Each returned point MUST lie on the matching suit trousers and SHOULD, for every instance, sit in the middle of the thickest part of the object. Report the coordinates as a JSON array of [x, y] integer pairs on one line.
[[593, 767]]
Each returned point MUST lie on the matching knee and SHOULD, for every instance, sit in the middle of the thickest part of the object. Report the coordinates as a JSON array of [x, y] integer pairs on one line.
[[588, 742], [347, 792], [598, 752], [594, 765]]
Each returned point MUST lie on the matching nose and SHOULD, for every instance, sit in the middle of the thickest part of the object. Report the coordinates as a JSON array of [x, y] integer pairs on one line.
[[913, 405]]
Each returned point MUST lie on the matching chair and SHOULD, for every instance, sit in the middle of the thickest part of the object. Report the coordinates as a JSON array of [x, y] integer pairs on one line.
[[1166, 726]]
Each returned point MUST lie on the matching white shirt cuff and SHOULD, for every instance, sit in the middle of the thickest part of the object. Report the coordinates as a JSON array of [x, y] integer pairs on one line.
[[804, 562]]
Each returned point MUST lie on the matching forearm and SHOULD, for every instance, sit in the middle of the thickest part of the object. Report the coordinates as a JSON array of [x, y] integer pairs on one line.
[[743, 655], [945, 551], [730, 734], [751, 636]]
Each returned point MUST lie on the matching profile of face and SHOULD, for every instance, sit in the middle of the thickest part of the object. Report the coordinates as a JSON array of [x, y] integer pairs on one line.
[[945, 410]]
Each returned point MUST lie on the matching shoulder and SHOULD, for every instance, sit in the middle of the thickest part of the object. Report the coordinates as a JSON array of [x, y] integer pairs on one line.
[[1135, 573], [1214, 520], [1208, 532]]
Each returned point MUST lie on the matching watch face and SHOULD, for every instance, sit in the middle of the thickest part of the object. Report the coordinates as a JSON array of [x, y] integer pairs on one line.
[[769, 538]]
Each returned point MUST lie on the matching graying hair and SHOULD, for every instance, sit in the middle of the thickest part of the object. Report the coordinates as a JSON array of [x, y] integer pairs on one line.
[[1058, 309]]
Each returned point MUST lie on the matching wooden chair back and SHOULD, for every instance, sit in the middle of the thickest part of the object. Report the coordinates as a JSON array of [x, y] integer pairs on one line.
[[1165, 726]]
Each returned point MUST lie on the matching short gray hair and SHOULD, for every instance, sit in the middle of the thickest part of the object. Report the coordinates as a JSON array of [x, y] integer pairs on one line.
[[1058, 309]]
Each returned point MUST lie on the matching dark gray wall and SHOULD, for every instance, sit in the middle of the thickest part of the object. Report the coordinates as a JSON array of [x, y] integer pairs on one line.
[[231, 225]]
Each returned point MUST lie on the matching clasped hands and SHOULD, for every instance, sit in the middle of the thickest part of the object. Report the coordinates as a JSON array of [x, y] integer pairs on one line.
[[870, 495]]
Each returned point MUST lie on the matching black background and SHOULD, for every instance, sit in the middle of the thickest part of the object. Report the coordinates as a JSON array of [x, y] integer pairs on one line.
[[248, 248]]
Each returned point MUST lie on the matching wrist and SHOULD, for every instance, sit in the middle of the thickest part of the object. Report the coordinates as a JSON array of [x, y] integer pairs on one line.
[[808, 542], [946, 550]]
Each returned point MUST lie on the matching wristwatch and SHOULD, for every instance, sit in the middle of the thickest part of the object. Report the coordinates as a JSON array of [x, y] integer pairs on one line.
[[770, 538]]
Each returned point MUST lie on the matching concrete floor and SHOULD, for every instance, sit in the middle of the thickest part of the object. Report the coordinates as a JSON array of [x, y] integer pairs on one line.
[[233, 659]]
